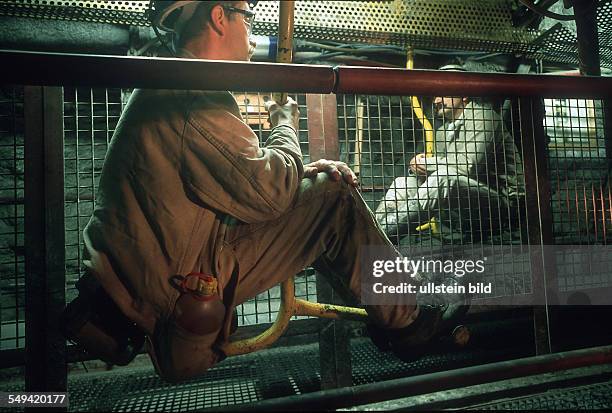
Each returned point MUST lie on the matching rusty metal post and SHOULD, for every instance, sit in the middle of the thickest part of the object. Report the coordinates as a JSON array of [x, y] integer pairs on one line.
[[45, 282], [334, 343], [284, 51], [587, 36], [539, 218]]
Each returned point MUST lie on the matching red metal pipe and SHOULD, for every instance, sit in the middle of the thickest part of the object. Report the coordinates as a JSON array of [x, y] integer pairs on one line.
[[385, 81], [162, 73], [32, 68]]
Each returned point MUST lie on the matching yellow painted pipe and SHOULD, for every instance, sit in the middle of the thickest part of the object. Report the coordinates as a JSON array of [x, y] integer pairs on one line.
[[429, 138], [303, 307], [289, 307], [284, 49], [268, 337]]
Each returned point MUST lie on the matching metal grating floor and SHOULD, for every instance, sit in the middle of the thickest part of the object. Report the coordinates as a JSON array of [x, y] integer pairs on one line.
[[590, 397], [264, 375]]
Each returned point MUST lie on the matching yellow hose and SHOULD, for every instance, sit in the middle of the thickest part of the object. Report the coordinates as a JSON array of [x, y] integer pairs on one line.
[[418, 112], [429, 137]]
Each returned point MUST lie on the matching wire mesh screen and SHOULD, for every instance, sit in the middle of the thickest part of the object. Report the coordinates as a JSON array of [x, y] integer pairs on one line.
[[90, 118], [580, 190], [471, 185], [12, 263], [380, 136]]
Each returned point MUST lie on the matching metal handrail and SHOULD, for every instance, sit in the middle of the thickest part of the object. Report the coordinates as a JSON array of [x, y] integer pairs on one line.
[[33, 68]]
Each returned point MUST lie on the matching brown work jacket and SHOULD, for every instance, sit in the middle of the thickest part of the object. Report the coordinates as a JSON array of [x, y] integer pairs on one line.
[[180, 163]]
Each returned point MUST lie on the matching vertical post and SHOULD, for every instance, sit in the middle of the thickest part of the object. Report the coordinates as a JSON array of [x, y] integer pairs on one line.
[[44, 239], [284, 49], [587, 36], [334, 343], [539, 218]]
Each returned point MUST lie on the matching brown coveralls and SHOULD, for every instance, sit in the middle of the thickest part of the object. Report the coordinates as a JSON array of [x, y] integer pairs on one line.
[[180, 163]]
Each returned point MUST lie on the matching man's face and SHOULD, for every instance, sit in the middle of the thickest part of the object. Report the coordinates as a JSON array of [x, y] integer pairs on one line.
[[238, 35], [448, 108]]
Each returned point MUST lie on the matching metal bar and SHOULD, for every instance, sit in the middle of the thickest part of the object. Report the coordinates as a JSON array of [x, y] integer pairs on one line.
[[161, 73], [540, 315], [334, 351], [385, 81], [539, 218], [44, 239], [284, 50], [434, 382], [587, 36]]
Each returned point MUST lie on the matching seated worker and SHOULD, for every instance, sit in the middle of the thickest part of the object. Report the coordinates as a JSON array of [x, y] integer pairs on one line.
[[476, 167], [189, 202]]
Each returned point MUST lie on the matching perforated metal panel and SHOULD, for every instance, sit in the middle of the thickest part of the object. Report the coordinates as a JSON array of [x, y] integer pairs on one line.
[[478, 25], [118, 12], [474, 25], [559, 43]]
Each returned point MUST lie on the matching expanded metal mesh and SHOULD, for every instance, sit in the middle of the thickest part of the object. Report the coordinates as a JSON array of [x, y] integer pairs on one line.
[[12, 263]]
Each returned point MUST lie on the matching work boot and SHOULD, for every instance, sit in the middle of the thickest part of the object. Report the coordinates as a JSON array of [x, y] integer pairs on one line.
[[94, 322], [438, 315]]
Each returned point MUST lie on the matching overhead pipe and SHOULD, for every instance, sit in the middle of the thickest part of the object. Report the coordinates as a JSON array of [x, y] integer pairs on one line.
[[385, 81], [34, 68], [57, 69], [433, 382]]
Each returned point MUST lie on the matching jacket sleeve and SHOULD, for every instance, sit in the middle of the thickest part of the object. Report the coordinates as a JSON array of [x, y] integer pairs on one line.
[[225, 167], [474, 144]]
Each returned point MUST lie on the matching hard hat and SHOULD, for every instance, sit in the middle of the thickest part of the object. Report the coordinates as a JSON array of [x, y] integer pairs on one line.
[[171, 16], [454, 68]]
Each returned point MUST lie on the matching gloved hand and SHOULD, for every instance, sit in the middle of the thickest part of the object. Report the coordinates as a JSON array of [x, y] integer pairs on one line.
[[287, 114]]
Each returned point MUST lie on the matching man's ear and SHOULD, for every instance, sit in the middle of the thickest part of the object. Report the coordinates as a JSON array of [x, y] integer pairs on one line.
[[465, 100], [218, 21]]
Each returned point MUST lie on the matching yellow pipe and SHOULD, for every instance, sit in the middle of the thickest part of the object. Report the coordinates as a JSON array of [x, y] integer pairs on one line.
[[268, 337], [429, 138], [284, 49], [289, 307], [303, 307], [418, 113]]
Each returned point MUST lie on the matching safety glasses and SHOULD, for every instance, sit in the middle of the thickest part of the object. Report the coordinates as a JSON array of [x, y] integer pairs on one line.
[[249, 16]]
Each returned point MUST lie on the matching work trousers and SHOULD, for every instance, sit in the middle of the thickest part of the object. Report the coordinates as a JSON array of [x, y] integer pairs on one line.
[[328, 226], [443, 190]]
